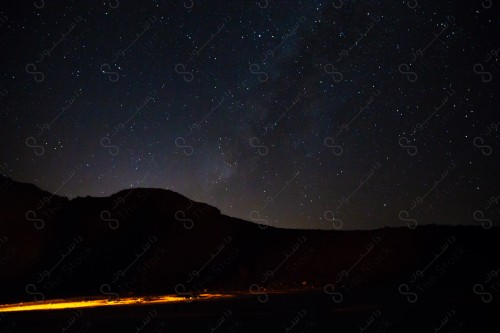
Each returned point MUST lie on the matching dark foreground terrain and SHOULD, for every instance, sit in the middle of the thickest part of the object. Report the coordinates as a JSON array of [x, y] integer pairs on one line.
[[305, 311], [157, 242]]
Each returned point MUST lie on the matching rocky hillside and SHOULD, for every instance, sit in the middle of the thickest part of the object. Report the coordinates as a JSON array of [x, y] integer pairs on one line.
[[150, 241]]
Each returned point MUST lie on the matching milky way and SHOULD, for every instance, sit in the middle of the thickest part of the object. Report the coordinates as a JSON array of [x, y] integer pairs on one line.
[[310, 114]]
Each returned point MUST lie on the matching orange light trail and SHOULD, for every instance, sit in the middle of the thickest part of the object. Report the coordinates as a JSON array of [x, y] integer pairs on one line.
[[61, 304]]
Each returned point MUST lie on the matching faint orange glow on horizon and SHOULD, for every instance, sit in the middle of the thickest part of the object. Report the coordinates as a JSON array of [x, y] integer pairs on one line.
[[61, 304]]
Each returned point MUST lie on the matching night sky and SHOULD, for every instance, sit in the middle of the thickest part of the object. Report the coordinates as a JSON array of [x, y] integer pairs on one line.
[[311, 114]]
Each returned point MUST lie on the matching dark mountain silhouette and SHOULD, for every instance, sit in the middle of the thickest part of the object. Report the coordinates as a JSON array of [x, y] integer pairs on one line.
[[152, 241]]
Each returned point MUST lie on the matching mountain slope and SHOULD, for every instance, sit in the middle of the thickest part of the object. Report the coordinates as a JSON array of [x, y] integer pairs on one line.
[[150, 241]]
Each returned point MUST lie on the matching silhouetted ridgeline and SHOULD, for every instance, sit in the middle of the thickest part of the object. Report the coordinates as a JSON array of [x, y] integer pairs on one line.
[[156, 241]]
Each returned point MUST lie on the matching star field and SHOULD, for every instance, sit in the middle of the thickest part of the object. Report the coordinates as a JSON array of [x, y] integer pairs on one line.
[[308, 114]]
